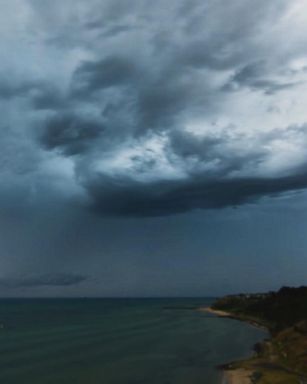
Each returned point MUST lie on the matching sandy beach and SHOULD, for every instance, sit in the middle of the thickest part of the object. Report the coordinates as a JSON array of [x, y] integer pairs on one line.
[[215, 312], [220, 313], [237, 376]]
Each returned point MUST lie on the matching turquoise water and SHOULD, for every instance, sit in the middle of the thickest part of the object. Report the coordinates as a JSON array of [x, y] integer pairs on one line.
[[117, 341]]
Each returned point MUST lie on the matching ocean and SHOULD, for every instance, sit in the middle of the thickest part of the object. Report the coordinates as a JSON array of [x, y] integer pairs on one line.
[[117, 341]]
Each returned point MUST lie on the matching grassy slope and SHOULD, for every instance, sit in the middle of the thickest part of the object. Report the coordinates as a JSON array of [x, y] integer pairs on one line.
[[283, 359]]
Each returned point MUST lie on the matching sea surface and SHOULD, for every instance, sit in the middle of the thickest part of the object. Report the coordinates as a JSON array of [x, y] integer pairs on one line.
[[117, 341]]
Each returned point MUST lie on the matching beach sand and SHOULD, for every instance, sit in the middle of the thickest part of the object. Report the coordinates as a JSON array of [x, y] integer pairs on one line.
[[215, 312], [219, 313], [237, 376]]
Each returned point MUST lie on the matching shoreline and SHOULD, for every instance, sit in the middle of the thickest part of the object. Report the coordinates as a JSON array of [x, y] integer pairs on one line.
[[281, 355], [237, 376], [215, 312], [230, 315], [234, 375]]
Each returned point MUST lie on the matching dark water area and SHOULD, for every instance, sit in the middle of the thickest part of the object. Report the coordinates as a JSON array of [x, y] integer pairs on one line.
[[117, 341]]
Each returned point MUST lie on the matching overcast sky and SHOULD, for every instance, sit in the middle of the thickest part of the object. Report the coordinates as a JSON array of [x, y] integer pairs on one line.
[[152, 148]]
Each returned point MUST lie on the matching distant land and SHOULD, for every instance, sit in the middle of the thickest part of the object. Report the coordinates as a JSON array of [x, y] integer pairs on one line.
[[283, 358]]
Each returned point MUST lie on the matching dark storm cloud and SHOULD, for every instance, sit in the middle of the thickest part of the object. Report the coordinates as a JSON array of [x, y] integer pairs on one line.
[[109, 72], [219, 177], [71, 134], [43, 280], [254, 76], [156, 90], [153, 97], [119, 197]]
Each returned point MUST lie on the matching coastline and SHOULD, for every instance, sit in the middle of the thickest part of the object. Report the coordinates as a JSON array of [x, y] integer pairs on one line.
[[231, 373], [230, 315], [281, 357], [215, 312]]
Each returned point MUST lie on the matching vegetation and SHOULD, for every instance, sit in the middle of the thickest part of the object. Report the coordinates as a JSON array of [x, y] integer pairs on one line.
[[283, 358]]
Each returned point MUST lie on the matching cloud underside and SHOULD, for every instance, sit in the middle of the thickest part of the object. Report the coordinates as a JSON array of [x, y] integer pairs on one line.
[[138, 118], [171, 198]]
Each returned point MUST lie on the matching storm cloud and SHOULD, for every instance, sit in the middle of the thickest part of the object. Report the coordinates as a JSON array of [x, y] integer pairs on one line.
[[70, 134], [118, 110], [179, 82]]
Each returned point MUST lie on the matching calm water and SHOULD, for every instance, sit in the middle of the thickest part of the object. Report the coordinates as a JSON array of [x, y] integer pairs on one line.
[[89, 341]]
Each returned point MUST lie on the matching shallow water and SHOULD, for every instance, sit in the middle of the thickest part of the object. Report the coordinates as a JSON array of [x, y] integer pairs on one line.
[[117, 341]]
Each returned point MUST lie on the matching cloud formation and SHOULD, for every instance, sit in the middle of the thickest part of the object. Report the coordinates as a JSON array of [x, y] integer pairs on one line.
[[144, 109], [70, 134], [42, 280], [131, 128]]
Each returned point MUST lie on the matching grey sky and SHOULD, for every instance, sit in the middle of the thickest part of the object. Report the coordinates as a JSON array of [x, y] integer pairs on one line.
[[152, 148]]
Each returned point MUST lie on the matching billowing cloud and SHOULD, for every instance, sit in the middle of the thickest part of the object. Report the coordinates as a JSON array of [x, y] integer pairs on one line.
[[181, 119]]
